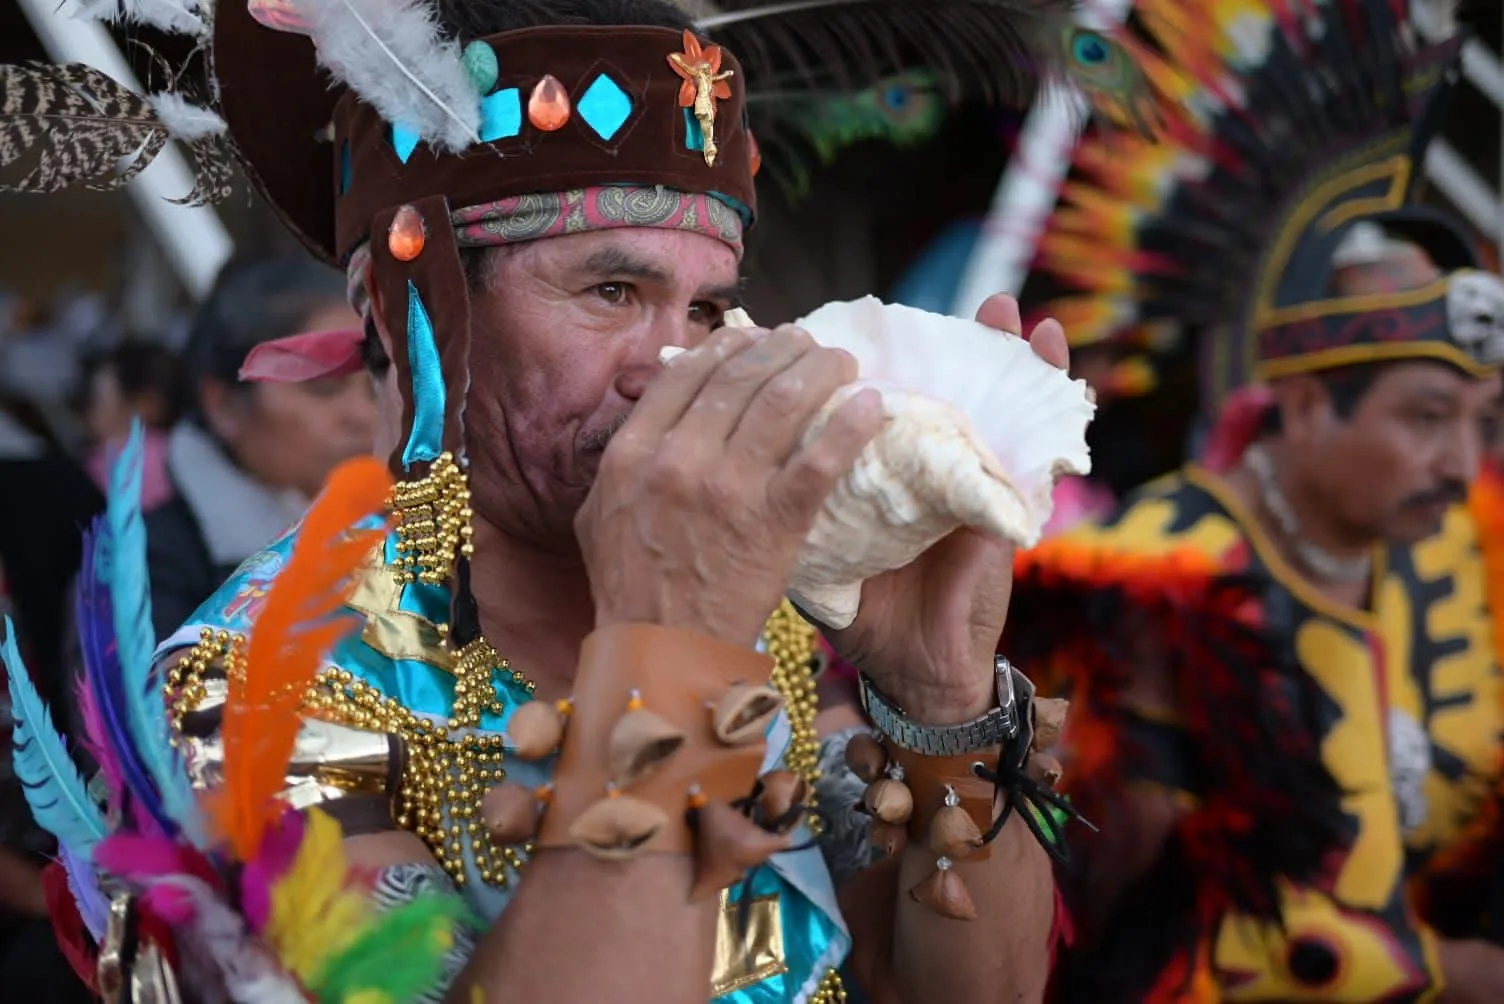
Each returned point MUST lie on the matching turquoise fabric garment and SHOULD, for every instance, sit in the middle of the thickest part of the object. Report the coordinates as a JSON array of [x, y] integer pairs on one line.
[[815, 937], [426, 440]]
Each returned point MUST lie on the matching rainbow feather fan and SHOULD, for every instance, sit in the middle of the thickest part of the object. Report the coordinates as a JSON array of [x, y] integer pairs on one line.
[[262, 904]]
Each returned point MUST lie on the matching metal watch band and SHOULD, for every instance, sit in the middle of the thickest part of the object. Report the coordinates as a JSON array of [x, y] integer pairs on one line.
[[997, 727]]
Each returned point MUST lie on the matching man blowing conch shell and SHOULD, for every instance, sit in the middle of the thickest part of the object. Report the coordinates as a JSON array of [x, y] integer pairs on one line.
[[578, 694]]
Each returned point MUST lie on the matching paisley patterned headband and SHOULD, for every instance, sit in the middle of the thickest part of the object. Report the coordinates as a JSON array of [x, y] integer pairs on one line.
[[318, 355], [554, 214]]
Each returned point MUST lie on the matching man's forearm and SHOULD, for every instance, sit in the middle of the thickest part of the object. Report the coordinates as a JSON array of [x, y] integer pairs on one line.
[[582, 930], [1003, 955]]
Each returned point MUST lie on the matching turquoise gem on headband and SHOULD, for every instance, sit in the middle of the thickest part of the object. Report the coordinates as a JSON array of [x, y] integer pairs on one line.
[[501, 115], [481, 65], [605, 106], [404, 141]]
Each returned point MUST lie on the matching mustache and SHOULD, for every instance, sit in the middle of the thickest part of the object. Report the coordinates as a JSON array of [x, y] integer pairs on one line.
[[1447, 493], [601, 438]]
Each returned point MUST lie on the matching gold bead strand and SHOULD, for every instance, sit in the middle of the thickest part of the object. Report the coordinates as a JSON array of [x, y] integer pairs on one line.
[[791, 642]]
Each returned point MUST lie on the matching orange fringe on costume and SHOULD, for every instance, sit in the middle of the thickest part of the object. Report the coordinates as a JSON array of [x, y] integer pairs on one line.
[[1273, 810], [1180, 578]]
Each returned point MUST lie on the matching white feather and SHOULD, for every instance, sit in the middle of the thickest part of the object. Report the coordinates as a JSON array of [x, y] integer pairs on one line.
[[184, 120], [392, 54], [184, 17], [219, 936]]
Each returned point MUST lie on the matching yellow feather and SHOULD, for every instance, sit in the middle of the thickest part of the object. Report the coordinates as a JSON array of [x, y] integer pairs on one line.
[[314, 915]]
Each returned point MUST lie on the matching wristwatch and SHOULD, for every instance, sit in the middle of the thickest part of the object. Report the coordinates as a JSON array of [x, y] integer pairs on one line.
[[1002, 726]]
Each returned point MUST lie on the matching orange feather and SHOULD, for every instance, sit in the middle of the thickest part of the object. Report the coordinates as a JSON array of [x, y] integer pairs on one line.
[[296, 629]]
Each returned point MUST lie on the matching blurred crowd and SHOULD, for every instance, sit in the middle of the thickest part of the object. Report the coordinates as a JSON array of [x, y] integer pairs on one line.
[[228, 465]]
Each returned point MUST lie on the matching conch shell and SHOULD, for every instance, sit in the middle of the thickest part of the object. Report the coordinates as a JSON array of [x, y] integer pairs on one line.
[[977, 429]]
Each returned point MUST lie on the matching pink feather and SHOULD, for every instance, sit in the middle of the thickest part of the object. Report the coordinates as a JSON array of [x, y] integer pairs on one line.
[[97, 746], [173, 904], [129, 856], [278, 849]]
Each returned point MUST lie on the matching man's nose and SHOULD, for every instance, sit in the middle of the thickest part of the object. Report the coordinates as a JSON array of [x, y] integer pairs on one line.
[[1464, 456], [642, 364]]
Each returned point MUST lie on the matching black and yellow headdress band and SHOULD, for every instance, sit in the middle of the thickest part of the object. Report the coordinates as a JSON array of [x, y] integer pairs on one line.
[[1457, 319]]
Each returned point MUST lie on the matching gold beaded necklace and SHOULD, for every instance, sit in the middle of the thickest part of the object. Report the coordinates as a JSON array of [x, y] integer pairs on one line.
[[449, 767]]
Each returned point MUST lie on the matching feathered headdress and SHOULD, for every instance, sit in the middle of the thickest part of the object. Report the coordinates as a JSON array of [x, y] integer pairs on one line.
[[1278, 124], [260, 901], [86, 128], [372, 129]]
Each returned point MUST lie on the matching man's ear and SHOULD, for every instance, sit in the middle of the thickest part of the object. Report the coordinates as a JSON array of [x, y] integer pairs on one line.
[[1305, 407], [223, 409]]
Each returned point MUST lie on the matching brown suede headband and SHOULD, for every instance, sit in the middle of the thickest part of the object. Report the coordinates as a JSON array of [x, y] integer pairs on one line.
[[653, 146]]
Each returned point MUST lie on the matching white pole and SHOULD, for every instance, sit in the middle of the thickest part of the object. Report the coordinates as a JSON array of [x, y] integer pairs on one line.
[[1466, 189], [193, 238], [1030, 186], [1499, 233]]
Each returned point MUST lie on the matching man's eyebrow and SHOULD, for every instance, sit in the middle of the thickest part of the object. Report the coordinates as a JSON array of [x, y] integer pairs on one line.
[[729, 292], [1434, 395], [613, 262]]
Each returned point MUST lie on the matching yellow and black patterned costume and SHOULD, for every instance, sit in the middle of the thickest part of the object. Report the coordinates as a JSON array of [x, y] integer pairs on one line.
[[1322, 754], [1321, 758]]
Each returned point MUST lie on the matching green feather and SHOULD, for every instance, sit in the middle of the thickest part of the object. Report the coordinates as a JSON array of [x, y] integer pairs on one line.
[[902, 110], [400, 957], [1044, 815]]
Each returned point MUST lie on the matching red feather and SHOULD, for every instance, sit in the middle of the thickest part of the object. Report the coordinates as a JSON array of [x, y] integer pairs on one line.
[[296, 629]]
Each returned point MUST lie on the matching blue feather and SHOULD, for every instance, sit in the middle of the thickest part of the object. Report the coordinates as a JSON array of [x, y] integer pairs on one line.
[[96, 634], [83, 882], [130, 599], [55, 789]]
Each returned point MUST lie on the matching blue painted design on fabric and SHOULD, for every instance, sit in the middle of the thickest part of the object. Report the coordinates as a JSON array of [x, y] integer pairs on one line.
[[426, 440], [501, 115], [404, 141], [346, 173], [694, 136], [605, 107]]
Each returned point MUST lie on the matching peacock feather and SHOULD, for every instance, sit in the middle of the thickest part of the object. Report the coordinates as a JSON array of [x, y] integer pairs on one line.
[[1219, 115]]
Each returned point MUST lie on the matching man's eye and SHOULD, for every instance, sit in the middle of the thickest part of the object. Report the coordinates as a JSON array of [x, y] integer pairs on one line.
[[612, 292], [1428, 419], [705, 313]]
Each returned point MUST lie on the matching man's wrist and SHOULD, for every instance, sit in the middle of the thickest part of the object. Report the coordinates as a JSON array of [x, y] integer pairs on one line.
[[950, 722], [945, 706]]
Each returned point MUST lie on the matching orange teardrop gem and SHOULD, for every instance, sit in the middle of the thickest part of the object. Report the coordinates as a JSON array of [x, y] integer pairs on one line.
[[756, 153], [548, 107], [406, 236]]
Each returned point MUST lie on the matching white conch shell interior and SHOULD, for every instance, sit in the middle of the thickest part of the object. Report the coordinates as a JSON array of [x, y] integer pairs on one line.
[[977, 428]]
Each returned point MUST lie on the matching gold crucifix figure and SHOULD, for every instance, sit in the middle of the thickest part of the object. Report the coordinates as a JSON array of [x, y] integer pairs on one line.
[[704, 85]]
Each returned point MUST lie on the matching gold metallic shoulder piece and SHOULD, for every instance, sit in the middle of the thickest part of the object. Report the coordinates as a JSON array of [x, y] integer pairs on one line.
[[333, 759]]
